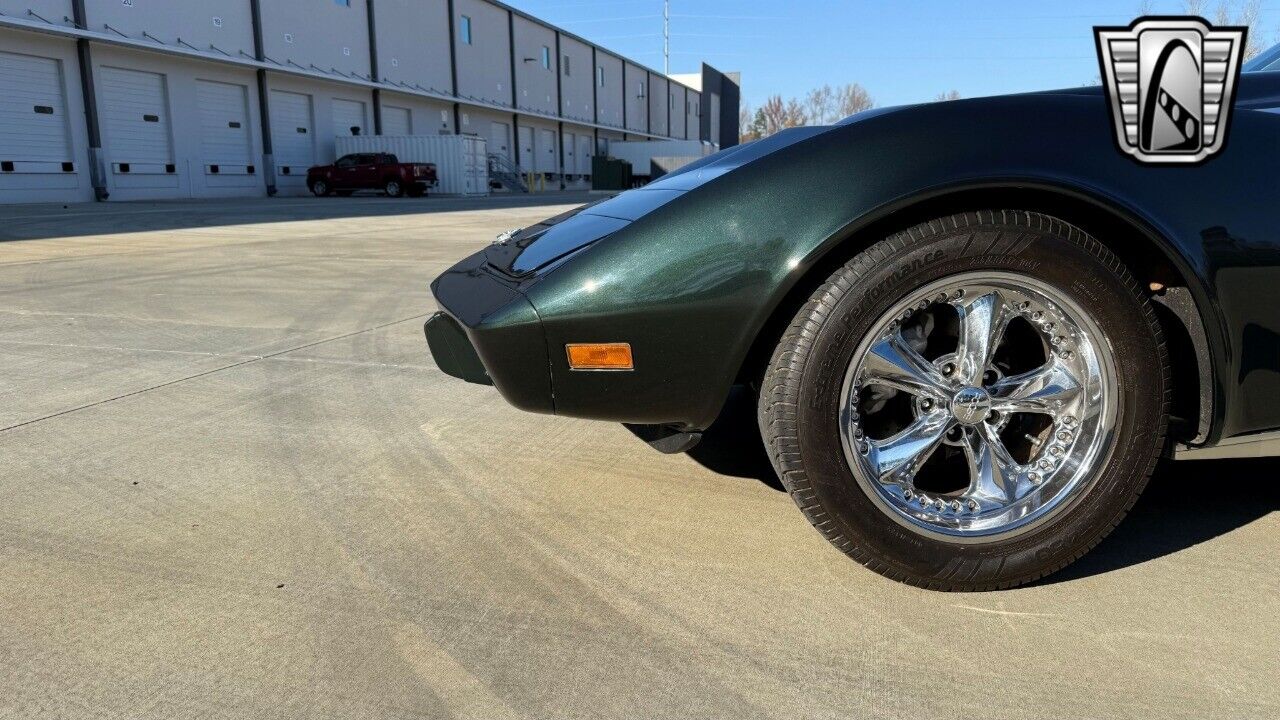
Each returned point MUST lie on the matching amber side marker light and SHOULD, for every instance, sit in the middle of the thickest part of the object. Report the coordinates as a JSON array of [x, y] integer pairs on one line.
[[599, 356]]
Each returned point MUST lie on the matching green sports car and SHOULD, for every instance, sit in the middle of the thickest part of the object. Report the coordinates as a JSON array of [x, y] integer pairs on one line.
[[972, 327]]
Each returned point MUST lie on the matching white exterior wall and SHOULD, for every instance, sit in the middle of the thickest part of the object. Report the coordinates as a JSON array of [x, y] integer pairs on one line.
[[576, 81], [535, 84], [609, 97], [227, 24], [675, 96], [51, 10], [484, 66], [636, 91], [413, 43], [320, 33], [187, 148], [52, 187], [693, 116], [659, 100]]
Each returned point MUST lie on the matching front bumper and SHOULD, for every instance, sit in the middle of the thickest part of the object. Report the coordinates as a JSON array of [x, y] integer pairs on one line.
[[488, 333], [453, 351]]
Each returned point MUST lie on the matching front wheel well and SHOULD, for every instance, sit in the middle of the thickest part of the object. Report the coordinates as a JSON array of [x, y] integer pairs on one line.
[[1145, 256]]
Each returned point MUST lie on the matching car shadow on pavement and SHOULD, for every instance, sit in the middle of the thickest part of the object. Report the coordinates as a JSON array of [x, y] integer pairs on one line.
[[1183, 507], [732, 445], [1178, 509]]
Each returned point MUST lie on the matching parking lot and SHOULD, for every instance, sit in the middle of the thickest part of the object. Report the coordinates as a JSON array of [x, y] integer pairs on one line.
[[234, 484]]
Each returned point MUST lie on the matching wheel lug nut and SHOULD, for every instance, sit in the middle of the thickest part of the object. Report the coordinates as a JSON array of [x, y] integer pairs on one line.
[[948, 369], [857, 433], [942, 297], [1037, 315], [1068, 421], [1045, 464], [958, 294], [973, 504], [1033, 477], [907, 495], [1055, 450], [926, 404], [1065, 354], [938, 505], [1064, 436], [955, 506]]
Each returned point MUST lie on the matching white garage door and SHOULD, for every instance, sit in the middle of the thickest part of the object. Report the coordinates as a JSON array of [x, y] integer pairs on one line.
[[33, 112], [584, 154], [224, 126], [547, 151], [395, 121], [135, 114], [348, 114], [499, 139], [292, 134], [570, 145]]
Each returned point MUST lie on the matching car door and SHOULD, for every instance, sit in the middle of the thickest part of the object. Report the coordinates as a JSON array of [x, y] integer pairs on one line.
[[367, 171], [345, 172]]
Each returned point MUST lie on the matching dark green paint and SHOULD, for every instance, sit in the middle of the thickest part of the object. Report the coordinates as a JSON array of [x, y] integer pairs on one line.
[[710, 252]]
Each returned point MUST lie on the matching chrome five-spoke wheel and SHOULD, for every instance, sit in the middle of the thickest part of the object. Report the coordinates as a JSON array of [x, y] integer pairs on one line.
[[971, 403], [979, 406]]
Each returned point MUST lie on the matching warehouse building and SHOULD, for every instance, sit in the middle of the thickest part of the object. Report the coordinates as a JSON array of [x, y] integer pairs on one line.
[[159, 99]]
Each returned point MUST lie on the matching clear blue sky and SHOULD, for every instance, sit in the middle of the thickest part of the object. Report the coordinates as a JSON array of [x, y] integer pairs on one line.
[[902, 51]]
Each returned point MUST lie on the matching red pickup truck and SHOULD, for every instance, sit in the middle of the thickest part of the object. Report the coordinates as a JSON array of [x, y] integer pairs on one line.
[[372, 171]]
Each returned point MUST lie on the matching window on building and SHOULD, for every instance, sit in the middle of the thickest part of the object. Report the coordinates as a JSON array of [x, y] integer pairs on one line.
[[640, 89], [546, 57], [565, 65], [464, 28], [599, 76]]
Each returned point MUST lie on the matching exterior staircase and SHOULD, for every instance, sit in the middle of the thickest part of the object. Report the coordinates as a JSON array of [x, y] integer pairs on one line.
[[506, 172]]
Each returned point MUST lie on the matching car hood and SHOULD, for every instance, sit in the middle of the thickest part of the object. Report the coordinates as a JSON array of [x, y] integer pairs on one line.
[[530, 249], [543, 245]]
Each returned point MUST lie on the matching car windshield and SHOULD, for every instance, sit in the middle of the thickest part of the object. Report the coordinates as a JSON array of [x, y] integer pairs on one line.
[[1267, 60]]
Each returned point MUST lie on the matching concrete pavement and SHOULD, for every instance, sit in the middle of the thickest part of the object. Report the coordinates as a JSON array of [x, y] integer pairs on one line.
[[233, 484]]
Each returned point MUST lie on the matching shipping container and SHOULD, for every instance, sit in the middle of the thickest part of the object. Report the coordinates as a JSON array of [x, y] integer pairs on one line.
[[459, 159]]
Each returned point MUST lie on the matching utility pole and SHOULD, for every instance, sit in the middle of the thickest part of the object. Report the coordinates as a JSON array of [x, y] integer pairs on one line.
[[666, 37]]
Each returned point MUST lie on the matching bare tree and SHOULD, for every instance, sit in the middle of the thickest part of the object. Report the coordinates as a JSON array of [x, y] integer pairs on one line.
[[772, 111], [1248, 17], [746, 124], [820, 106], [853, 99], [794, 116], [1231, 12], [948, 95]]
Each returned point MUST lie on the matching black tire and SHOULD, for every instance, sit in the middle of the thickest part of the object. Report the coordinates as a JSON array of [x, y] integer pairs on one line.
[[393, 188], [320, 188], [800, 396]]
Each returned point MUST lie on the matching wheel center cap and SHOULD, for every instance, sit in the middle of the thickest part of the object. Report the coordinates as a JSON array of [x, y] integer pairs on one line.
[[971, 405]]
